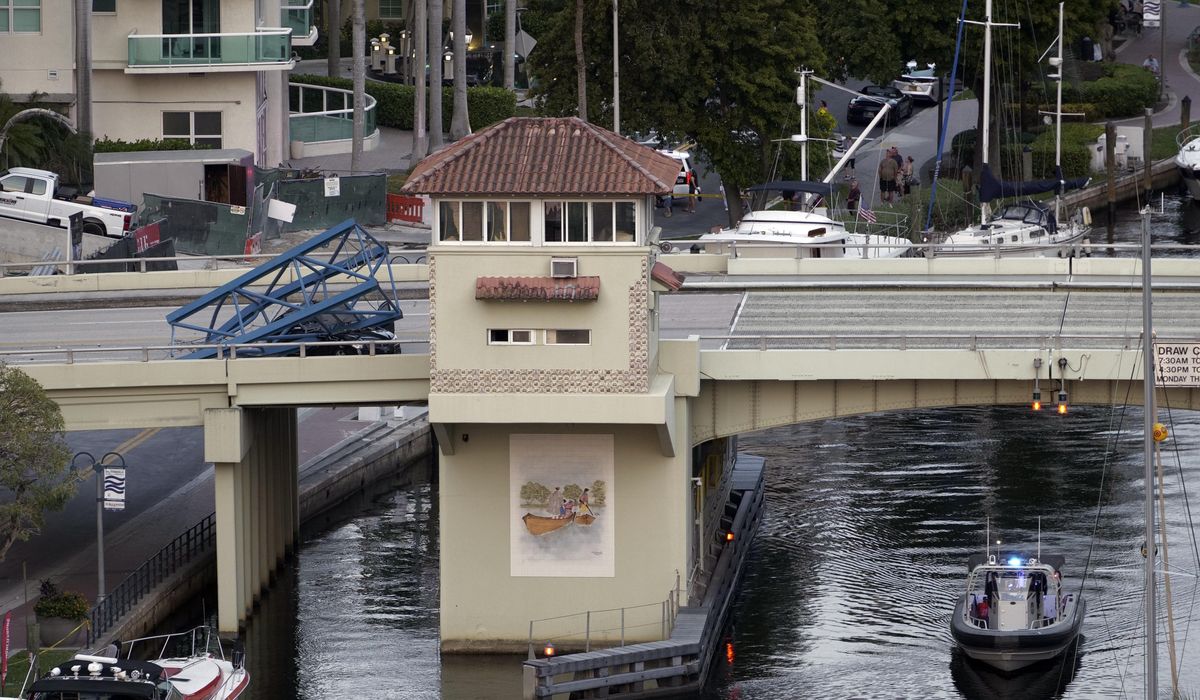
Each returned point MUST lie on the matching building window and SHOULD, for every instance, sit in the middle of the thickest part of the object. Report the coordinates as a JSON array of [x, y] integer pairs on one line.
[[484, 221], [109, 6], [493, 6], [200, 128], [508, 336], [590, 222], [20, 16], [569, 337], [391, 9]]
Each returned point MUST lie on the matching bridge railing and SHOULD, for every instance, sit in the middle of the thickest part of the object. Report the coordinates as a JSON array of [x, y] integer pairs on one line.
[[146, 353], [197, 540], [931, 341]]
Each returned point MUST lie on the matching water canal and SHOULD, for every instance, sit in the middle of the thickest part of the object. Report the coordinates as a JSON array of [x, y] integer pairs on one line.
[[869, 524]]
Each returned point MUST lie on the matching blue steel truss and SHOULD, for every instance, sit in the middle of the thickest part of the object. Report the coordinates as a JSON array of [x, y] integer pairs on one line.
[[333, 288]]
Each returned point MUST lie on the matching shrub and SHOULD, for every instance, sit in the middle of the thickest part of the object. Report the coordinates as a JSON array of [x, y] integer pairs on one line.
[[1122, 91], [107, 145], [395, 103], [56, 603]]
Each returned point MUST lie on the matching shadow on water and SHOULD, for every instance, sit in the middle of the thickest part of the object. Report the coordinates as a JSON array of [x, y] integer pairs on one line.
[[1042, 681]]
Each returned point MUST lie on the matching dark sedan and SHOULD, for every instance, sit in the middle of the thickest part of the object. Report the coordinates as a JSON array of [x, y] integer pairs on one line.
[[863, 108]]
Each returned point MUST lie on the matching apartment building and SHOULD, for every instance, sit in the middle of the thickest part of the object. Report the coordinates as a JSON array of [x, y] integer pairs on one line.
[[209, 71]]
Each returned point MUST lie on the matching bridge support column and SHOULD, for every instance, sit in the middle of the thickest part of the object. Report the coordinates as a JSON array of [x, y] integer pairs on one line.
[[254, 454]]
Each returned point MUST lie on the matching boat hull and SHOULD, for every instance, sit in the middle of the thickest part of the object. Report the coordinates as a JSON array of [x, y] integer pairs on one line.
[[1012, 650], [1067, 246], [539, 525], [1191, 179]]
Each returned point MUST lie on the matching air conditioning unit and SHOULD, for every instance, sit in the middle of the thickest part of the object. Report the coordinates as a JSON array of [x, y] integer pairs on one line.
[[564, 267]]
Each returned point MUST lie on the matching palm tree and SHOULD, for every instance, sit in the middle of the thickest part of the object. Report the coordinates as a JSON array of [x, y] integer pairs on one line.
[[510, 42], [359, 45], [436, 42], [460, 125], [580, 65], [333, 11], [420, 82]]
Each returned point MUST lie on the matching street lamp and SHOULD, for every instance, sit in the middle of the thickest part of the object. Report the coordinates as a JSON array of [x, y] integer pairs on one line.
[[110, 495]]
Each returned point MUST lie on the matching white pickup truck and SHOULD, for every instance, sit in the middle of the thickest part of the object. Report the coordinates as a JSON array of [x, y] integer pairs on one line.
[[26, 193]]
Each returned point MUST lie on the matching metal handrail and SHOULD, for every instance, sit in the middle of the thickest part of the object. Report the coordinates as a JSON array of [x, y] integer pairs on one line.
[[226, 351], [670, 612], [265, 31], [285, 6], [176, 554], [145, 261]]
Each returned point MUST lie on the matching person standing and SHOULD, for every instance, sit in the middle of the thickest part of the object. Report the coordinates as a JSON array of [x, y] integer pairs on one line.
[[906, 175], [888, 170], [555, 503], [853, 197]]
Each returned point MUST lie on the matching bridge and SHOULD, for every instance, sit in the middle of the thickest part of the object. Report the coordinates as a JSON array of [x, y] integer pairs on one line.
[[620, 374]]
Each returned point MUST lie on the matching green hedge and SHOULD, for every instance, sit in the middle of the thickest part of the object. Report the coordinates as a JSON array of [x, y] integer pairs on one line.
[[1077, 139], [106, 145], [394, 103], [1124, 91]]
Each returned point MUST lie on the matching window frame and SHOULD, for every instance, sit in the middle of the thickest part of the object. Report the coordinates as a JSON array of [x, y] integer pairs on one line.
[[9, 10], [509, 332], [546, 336], [590, 205], [485, 219], [389, 3], [192, 136]]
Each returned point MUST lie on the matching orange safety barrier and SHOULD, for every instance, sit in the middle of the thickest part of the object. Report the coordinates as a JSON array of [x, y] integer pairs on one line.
[[401, 208]]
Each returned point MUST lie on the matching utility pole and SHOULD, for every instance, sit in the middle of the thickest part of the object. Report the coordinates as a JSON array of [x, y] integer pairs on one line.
[[359, 45], [83, 66]]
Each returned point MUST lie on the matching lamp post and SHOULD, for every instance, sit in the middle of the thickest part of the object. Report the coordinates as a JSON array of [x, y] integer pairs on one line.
[[117, 502], [616, 76]]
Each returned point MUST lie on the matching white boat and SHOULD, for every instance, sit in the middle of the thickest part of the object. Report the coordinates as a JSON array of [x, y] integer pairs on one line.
[[198, 675], [1015, 611], [1188, 160], [804, 232], [920, 85], [1029, 228]]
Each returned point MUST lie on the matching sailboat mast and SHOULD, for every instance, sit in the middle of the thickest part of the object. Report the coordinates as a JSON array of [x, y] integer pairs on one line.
[[1148, 447], [1058, 120], [803, 96], [987, 95]]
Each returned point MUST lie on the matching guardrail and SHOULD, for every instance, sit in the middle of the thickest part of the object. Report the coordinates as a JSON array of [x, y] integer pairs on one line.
[[206, 262], [933, 341], [181, 551], [146, 353], [264, 47], [668, 611], [333, 118]]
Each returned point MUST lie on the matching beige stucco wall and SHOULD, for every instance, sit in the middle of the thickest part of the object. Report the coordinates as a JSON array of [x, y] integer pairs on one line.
[[484, 608], [462, 321], [26, 58], [130, 107]]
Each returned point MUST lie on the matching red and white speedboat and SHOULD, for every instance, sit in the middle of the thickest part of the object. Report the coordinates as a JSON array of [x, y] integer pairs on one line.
[[201, 675]]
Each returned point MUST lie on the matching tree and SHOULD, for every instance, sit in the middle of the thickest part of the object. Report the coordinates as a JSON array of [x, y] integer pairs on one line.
[[599, 492], [580, 62], [572, 491], [460, 125], [359, 44], [534, 494], [436, 42], [333, 34], [35, 471]]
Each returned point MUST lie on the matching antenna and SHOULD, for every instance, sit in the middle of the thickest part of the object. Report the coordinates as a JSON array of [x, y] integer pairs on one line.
[[1039, 538], [987, 541]]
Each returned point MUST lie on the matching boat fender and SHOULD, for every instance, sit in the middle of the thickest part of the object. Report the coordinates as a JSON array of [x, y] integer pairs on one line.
[[1087, 216]]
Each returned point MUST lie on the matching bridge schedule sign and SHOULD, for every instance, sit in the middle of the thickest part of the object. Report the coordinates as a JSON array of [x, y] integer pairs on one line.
[[1177, 364]]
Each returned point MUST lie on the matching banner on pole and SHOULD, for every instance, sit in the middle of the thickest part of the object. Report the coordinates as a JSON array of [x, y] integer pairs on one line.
[[5, 638], [114, 488]]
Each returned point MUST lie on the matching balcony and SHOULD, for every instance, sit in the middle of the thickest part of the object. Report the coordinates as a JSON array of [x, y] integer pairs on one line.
[[322, 121], [266, 49], [297, 16]]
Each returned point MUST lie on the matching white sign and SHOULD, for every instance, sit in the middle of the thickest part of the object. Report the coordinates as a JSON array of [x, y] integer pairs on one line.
[[523, 44], [114, 488], [1177, 364], [333, 186], [281, 211]]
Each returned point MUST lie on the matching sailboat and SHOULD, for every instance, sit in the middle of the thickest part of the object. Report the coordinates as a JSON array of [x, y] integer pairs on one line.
[[1029, 227]]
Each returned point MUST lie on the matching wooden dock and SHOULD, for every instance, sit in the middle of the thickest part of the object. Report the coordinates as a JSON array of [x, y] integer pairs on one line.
[[678, 665]]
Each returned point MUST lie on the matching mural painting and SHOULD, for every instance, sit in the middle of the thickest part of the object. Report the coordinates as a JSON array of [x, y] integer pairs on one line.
[[562, 504]]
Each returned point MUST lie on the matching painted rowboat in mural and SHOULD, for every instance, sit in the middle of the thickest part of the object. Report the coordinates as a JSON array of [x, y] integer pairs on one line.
[[540, 525]]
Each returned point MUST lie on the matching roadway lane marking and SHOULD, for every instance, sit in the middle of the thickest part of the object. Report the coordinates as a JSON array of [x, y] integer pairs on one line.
[[134, 442]]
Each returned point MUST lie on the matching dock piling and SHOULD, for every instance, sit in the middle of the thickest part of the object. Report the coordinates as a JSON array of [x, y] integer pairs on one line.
[[1147, 144], [1110, 169]]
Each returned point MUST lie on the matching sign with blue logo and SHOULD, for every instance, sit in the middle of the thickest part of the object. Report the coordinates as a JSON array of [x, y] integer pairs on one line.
[[114, 488]]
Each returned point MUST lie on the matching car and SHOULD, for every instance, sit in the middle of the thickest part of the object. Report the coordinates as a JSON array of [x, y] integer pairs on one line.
[[687, 173], [864, 107]]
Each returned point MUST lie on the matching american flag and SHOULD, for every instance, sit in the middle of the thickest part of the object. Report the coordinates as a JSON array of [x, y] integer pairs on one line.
[[865, 213]]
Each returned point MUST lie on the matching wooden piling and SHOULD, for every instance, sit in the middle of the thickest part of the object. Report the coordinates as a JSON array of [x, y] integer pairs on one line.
[[1110, 168], [1147, 145]]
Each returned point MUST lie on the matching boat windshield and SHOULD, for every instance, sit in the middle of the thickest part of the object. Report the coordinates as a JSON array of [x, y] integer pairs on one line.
[[1029, 215], [1014, 586]]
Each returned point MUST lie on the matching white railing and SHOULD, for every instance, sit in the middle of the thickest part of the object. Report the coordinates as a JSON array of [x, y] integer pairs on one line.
[[327, 123]]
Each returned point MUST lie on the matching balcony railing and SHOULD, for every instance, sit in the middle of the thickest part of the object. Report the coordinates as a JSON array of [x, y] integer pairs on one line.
[[265, 48], [320, 114], [297, 16]]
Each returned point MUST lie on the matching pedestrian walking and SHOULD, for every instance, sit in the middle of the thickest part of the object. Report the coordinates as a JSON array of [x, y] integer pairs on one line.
[[906, 175], [888, 168]]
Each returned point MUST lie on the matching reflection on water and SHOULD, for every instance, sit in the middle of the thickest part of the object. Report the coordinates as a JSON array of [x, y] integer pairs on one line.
[[869, 525], [1175, 219]]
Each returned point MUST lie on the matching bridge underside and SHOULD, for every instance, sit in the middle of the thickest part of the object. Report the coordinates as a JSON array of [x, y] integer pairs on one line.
[[726, 407]]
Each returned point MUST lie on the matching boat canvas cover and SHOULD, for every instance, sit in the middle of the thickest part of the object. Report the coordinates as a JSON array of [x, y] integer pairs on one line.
[[825, 189], [1054, 560], [990, 188]]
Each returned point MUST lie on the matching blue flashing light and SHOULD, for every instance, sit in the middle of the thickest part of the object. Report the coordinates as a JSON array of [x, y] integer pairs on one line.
[[1014, 561]]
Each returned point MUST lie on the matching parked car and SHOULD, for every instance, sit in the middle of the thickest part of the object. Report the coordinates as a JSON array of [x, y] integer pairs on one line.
[[686, 175], [864, 107], [34, 195]]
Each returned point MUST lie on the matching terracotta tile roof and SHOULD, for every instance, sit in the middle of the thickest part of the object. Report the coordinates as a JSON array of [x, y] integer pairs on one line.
[[538, 288], [543, 156], [667, 277]]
